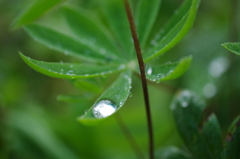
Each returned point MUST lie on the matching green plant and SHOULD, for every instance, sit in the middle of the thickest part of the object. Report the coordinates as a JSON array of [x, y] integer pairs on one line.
[[105, 50]]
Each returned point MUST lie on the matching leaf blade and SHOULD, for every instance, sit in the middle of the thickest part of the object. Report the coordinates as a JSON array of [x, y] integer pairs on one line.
[[212, 133], [110, 101], [70, 71], [173, 34], [63, 43], [35, 11], [187, 109], [146, 15], [233, 47], [168, 71]]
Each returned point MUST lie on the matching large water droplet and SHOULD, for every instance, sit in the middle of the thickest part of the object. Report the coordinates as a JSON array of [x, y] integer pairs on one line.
[[103, 109]]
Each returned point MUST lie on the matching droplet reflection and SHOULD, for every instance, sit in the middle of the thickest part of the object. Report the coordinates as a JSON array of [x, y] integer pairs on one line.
[[103, 109]]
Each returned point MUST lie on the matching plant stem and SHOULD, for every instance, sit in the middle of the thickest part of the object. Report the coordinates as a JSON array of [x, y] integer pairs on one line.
[[129, 137], [143, 76]]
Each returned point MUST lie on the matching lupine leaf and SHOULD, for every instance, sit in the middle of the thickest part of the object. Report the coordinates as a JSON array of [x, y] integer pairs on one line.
[[168, 71], [37, 9], [146, 15], [116, 17], [110, 101], [232, 143], [89, 28], [175, 29], [64, 43], [187, 109], [233, 47], [70, 70], [212, 133]]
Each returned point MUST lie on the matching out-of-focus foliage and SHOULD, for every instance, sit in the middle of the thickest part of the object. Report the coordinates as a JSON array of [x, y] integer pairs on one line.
[[34, 125]]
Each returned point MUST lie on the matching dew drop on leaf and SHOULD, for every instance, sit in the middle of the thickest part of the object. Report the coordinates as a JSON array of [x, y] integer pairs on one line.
[[149, 71], [103, 109]]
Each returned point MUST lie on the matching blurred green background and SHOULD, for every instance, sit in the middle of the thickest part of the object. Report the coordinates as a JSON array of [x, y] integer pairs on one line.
[[33, 124]]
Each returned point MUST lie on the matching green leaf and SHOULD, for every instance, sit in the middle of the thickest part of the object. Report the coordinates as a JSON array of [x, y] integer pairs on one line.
[[212, 133], [34, 11], [146, 15], [168, 71], [187, 109], [174, 30], [64, 43], [116, 17], [233, 47], [110, 101], [171, 153], [88, 86], [232, 143], [72, 99], [70, 70], [89, 28]]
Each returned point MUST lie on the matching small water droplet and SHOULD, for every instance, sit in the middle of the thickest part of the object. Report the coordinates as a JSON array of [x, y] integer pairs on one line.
[[130, 94], [66, 52], [160, 76], [103, 109], [184, 104], [102, 51], [153, 42], [92, 40], [121, 67], [71, 66], [149, 71]]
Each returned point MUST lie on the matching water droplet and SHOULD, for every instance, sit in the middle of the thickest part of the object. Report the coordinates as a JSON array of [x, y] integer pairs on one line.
[[160, 76], [102, 51], [153, 42], [149, 71], [103, 109], [218, 66], [130, 94], [184, 104], [121, 67], [71, 66], [209, 90], [66, 52]]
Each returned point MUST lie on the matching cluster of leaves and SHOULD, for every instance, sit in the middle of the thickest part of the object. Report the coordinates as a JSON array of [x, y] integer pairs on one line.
[[106, 49], [202, 138]]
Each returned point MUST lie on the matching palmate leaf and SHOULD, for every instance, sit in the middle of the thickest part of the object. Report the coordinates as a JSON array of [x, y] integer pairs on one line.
[[169, 70], [37, 9], [175, 29], [64, 43], [90, 29], [110, 101], [187, 109], [233, 47], [71, 71]]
